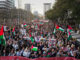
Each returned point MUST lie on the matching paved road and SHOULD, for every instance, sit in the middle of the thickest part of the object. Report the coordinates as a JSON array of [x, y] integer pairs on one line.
[[76, 35]]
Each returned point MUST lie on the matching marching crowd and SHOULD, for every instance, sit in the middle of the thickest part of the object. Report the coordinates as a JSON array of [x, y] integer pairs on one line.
[[48, 43]]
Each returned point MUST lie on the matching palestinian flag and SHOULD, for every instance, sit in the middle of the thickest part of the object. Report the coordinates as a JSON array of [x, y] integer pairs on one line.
[[69, 35], [34, 48], [2, 38], [58, 28], [30, 35], [54, 31], [48, 55], [61, 29], [32, 39], [25, 25], [69, 28], [13, 30]]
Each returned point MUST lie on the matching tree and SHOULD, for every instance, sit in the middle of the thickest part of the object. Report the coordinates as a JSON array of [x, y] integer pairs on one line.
[[65, 10], [14, 14]]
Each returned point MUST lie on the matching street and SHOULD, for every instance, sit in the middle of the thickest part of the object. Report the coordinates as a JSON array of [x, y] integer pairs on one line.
[[76, 35]]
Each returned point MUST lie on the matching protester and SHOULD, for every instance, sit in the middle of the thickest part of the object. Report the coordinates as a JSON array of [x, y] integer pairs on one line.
[[44, 42]]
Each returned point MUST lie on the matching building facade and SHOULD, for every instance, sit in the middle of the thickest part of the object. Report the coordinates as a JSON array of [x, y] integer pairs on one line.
[[28, 7], [5, 11], [7, 4], [47, 6]]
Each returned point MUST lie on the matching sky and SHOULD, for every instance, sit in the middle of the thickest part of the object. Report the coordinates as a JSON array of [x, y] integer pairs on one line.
[[36, 5]]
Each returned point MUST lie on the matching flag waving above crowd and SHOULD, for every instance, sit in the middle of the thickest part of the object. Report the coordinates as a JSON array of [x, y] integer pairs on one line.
[[69, 30], [40, 41], [58, 28], [2, 38]]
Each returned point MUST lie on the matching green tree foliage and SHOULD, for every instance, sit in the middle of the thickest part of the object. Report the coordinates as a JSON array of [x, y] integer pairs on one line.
[[65, 10], [49, 14]]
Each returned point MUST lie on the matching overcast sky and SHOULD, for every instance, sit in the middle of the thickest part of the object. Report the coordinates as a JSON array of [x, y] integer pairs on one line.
[[36, 5]]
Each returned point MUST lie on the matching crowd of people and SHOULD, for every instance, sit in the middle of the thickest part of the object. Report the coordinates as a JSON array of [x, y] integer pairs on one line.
[[49, 44]]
